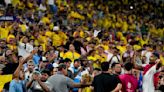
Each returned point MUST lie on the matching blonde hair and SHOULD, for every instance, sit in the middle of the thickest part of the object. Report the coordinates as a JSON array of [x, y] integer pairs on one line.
[[30, 62]]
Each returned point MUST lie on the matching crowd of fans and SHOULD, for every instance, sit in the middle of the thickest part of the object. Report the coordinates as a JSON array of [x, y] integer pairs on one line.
[[81, 46]]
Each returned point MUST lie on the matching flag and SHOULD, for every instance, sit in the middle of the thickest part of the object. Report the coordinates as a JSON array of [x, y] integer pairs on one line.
[[4, 79], [140, 82]]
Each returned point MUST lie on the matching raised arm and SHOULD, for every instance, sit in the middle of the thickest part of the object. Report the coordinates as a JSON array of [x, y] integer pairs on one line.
[[17, 71], [148, 37], [52, 58], [30, 56], [159, 63], [21, 62], [136, 66], [81, 85]]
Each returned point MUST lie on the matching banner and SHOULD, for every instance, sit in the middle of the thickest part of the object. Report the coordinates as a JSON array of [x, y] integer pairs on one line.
[[4, 79], [7, 18]]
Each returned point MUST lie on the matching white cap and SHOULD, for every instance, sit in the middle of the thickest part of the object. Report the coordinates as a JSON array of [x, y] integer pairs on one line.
[[55, 65], [55, 28]]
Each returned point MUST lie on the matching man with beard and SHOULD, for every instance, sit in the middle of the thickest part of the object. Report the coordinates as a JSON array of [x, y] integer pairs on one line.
[[30, 69], [129, 82], [116, 67], [150, 73], [38, 81], [106, 82]]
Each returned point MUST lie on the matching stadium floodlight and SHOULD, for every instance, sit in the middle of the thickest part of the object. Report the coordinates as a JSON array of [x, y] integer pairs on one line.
[[131, 7]]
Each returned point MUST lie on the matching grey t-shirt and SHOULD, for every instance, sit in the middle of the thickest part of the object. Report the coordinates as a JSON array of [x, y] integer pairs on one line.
[[60, 83]]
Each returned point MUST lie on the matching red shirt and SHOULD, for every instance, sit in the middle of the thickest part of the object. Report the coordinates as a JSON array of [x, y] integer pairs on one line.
[[129, 83]]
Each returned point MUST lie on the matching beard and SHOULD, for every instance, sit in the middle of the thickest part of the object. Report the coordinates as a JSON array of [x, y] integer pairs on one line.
[[151, 62], [118, 72], [43, 80]]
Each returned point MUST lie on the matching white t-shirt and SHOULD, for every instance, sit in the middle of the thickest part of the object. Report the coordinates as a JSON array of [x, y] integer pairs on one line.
[[115, 59], [109, 56], [148, 80]]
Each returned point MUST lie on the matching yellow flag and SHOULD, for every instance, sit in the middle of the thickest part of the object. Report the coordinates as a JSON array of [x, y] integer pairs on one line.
[[4, 79], [162, 59]]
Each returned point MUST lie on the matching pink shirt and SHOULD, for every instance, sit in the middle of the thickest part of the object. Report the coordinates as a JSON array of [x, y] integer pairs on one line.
[[129, 83]]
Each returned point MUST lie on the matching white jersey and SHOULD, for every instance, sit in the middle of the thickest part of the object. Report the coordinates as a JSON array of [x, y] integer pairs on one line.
[[148, 80]]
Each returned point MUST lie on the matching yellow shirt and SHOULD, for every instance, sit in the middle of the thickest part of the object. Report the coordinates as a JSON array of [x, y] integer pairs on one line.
[[36, 42], [4, 33], [137, 47], [43, 41], [15, 2], [12, 47], [103, 58], [118, 24], [56, 40], [160, 32], [23, 27], [119, 34], [48, 34], [21, 5], [122, 49], [82, 34], [51, 26], [30, 5], [86, 89], [107, 23], [124, 40], [132, 27], [61, 54], [11, 36], [45, 20], [106, 47], [63, 37], [124, 26], [94, 60], [80, 6], [72, 55], [142, 42], [76, 15], [4, 79]]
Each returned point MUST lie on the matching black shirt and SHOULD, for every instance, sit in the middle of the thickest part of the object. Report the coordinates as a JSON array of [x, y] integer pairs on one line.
[[105, 82]]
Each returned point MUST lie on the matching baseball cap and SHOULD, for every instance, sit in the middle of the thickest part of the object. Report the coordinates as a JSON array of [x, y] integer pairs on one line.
[[55, 65], [61, 66]]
